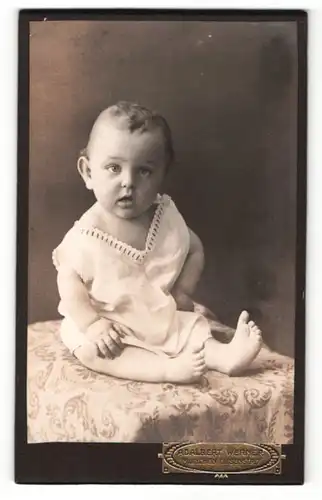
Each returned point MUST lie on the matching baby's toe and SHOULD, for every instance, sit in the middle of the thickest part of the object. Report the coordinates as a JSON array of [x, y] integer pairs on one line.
[[197, 348], [199, 362], [199, 370], [251, 324], [257, 336], [243, 318], [198, 355]]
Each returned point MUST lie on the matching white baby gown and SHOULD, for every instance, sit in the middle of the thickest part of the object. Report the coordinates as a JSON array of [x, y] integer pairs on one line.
[[133, 287]]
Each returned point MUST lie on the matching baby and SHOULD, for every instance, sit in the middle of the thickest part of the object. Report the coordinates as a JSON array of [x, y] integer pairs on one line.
[[128, 267]]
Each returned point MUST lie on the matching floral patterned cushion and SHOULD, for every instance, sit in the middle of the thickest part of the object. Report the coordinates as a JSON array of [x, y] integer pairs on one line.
[[68, 402]]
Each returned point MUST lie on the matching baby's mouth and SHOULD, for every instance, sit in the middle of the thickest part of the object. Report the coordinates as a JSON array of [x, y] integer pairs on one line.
[[125, 201]]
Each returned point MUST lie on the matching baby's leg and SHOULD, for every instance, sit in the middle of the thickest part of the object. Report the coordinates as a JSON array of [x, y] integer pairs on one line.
[[234, 357], [145, 366]]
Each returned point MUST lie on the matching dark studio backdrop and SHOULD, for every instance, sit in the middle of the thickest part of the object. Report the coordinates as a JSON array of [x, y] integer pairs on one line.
[[229, 93]]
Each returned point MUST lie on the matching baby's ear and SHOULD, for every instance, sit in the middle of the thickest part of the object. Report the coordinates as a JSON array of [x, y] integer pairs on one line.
[[85, 171]]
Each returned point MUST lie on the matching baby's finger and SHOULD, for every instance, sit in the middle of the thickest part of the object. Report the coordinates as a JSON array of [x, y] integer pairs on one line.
[[122, 330], [112, 346], [103, 349], [115, 336], [119, 330], [114, 350]]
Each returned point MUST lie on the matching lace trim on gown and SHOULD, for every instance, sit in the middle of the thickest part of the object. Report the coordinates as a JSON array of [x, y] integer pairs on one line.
[[125, 249]]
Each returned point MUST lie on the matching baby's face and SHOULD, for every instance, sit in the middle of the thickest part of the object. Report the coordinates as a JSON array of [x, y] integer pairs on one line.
[[126, 168]]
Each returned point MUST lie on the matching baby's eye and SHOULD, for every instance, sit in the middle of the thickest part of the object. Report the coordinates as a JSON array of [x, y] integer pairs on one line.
[[114, 168], [145, 172]]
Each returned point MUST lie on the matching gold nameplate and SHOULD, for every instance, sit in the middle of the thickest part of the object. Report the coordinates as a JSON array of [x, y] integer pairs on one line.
[[222, 458]]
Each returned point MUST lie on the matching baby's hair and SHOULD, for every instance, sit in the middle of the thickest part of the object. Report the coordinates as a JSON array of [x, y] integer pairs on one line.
[[139, 118]]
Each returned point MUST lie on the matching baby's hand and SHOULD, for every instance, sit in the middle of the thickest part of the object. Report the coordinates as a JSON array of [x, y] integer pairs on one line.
[[107, 335], [183, 301]]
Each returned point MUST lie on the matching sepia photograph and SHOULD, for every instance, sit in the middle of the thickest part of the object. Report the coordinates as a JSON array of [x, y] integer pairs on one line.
[[162, 180]]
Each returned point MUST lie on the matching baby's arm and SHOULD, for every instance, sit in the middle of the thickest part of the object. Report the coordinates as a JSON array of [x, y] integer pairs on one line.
[[76, 299], [102, 332], [190, 274]]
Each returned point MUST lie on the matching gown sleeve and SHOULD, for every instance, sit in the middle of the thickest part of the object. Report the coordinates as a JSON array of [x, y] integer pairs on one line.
[[73, 254]]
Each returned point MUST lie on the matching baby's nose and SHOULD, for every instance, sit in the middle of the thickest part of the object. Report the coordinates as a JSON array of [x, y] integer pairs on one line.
[[127, 179]]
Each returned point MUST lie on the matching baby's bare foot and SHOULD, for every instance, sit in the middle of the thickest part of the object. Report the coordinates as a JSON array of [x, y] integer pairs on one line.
[[245, 344], [187, 367]]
